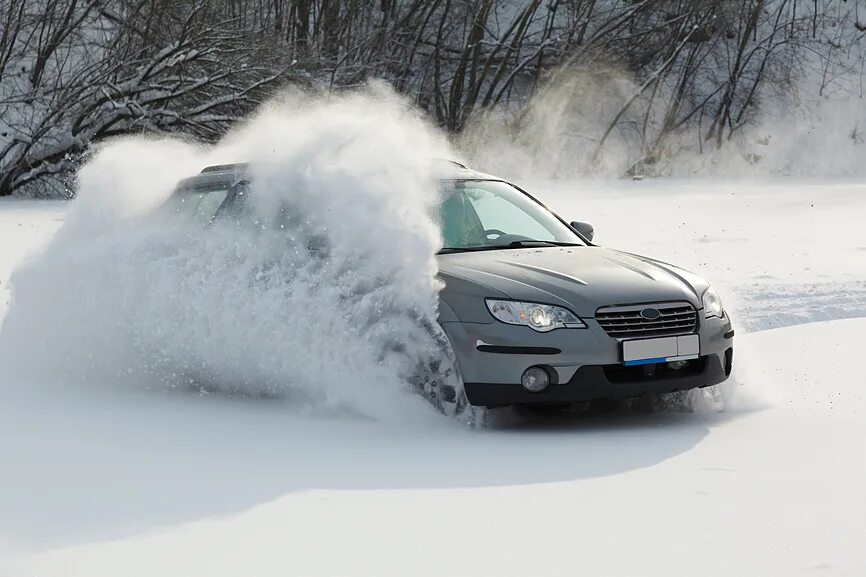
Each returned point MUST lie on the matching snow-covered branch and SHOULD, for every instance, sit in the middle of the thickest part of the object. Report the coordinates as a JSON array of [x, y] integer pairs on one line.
[[73, 72]]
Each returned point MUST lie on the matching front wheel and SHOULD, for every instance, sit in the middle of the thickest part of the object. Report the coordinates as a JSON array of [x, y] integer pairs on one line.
[[438, 379]]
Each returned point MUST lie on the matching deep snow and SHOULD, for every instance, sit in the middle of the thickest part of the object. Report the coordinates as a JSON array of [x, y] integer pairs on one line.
[[104, 482]]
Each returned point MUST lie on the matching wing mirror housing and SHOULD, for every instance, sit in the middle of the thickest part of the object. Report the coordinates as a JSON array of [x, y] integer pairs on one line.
[[584, 228]]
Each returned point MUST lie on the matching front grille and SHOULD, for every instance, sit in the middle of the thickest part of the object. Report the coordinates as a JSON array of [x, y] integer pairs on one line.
[[627, 323]]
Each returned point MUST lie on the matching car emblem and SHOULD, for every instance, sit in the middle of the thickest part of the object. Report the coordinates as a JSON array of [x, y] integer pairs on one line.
[[650, 314]]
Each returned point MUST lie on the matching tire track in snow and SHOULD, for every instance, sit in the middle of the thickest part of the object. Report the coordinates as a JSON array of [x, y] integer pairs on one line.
[[773, 306]]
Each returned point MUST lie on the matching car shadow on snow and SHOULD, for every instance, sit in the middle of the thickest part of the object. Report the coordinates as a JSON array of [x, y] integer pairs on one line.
[[89, 468]]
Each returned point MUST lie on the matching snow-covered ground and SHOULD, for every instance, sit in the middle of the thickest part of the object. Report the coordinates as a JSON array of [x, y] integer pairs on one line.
[[100, 482]]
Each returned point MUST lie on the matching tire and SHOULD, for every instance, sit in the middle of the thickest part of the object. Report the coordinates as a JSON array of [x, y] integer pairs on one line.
[[438, 380]]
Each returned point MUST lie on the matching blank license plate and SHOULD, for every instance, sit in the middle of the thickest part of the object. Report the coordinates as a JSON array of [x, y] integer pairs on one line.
[[661, 350]]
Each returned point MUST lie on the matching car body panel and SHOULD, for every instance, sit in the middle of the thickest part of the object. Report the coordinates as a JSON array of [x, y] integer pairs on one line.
[[581, 278]]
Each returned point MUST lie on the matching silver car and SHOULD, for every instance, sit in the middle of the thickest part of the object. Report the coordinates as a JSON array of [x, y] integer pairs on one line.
[[536, 314]]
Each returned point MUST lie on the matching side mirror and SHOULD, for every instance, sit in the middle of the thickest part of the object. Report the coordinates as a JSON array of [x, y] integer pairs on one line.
[[584, 228]]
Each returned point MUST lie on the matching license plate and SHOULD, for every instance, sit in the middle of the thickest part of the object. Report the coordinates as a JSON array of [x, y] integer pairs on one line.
[[661, 350]]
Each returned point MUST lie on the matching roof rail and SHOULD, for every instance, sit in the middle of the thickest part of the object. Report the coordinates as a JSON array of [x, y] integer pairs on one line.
[[244, 165], [454, 162], [225, 167]]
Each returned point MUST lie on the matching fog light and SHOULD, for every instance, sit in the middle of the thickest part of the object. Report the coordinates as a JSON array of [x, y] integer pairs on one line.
[[535, 379]]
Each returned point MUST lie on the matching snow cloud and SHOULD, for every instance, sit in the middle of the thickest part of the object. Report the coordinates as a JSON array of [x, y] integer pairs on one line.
[[125, 295], [602, 122]]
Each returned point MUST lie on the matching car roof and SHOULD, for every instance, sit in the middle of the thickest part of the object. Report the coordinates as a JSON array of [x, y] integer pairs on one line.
[[208, 181], [457, 171], [226, 175]]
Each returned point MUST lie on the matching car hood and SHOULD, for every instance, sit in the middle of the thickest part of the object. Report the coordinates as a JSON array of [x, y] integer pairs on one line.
[[582, 278]]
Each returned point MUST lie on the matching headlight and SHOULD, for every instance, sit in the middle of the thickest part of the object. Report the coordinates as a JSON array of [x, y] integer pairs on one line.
[[713, 304], [542, 318]]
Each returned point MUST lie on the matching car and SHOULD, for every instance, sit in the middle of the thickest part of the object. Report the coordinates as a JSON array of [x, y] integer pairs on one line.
[[532, 312]]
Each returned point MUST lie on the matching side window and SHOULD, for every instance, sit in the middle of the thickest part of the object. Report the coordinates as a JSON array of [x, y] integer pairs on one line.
[[237, 208], [208, 205], [196, 205]]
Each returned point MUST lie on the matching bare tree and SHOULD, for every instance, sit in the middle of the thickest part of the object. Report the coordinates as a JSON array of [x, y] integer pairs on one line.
[[76, 71]]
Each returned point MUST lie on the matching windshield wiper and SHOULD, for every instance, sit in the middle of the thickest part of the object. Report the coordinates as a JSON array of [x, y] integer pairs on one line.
[[529, 243], [450, 249]]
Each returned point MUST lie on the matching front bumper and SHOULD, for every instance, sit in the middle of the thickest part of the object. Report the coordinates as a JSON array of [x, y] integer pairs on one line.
[[595, 382], [586, 364]]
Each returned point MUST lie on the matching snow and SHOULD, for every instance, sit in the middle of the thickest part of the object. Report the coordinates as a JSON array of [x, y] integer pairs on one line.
[[107, 481], [25, 226], [130, 299], [783, 251]]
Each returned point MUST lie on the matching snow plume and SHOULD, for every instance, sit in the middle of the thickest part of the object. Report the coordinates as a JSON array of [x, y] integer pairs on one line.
[[125, 295], [556, 134], [603, 122]]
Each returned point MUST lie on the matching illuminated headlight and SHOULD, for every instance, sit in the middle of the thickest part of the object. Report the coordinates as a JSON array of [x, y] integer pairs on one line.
[[713, 304], [542, 318]]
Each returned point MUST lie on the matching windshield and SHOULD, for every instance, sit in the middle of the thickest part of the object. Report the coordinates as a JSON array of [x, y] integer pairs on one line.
[[199, 204], [487, 214]]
